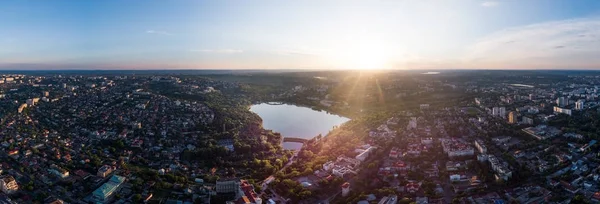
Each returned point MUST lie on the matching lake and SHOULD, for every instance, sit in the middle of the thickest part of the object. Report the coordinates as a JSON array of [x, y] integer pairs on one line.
[[296, 121], [523, 85]]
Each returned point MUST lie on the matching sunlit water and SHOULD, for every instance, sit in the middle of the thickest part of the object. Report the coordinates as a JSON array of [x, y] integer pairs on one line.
[[296, 121], [431, 73], [523, 85]]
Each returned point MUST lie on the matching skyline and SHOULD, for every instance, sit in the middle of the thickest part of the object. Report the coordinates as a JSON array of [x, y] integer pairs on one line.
[[466, 34]]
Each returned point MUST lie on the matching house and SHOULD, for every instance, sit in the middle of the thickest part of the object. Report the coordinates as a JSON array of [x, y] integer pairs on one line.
[[569, 188], [57, 171], [104, 171], [458, 177], [427, 141], [394, 153], [8, 184], [412, 187], [454, 166], [596, 197], [414, 149], [421, 200], [390, 199], [248, 195]]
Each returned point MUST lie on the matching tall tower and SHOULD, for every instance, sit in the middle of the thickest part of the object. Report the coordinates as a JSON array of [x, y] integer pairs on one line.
[[345, 189], [562, 101], [512, 117], [579, 105], [502, 112]]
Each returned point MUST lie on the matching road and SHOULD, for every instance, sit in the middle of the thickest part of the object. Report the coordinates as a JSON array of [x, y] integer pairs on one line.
[[264, 183], [327, 200]]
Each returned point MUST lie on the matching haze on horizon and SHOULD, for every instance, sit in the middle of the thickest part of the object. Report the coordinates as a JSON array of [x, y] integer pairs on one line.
[[260, 34]]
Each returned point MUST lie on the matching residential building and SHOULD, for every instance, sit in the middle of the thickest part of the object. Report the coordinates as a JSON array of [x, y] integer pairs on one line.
[[422, 200], [412, 123], [542, 132], [562, 101], [481, 146], [394, 153], [328, 166], [363, 155], [587, 146], [527, 120], [412, 187], [562, 110], [104, 171], [512, 117], [342, 170], [390, 199], [579, 105], [247, 194], [345, 189], [227, 186], [457, 148], [414, 149], [499, 112], [427, 141], [501, 168], [8, 184], [22, 107], [482, 157], [104, 193], [57, 171], [30, 102]]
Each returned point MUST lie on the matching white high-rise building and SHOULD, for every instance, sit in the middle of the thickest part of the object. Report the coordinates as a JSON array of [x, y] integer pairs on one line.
[[579, 105], [499, 111], [562, 101]]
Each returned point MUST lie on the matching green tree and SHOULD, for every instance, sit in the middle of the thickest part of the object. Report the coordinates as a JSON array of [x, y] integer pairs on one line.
[[137, 197]]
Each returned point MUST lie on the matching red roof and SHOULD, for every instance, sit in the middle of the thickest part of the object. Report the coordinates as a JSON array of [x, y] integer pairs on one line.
[[249, 193], [81, 173], [596, 196]]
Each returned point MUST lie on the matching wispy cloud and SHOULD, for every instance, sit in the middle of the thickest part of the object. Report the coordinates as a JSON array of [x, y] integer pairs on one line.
[[158, 32], [490, 4], [218, 51], [302, 51], [573, 42]]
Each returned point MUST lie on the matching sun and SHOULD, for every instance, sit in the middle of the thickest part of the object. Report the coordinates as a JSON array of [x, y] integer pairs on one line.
[[370, 59], [364, 56]]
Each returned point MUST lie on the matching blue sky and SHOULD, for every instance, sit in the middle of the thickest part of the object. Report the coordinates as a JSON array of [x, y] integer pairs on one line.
[[185, 34]]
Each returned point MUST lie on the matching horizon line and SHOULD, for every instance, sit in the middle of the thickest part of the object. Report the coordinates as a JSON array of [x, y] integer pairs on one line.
[[304, 69]]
